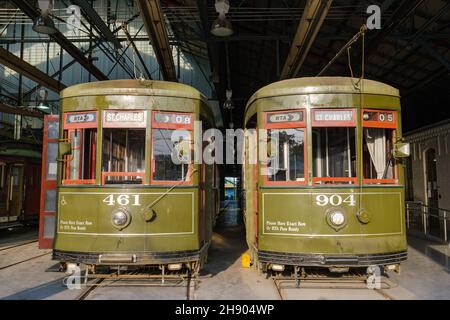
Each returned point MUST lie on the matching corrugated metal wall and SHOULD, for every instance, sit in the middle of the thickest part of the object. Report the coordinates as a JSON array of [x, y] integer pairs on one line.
[[46, 56]]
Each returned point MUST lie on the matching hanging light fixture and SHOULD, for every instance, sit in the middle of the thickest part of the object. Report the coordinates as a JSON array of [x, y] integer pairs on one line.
[[222, 27], [42, 106], [44, 23], [42, 97]]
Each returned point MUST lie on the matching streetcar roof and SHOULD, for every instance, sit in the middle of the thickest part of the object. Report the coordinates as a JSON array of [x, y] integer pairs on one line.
[[319, 85], [135, 87]]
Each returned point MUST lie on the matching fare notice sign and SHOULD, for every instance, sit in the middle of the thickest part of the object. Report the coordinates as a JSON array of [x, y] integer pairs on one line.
[[124, 119]]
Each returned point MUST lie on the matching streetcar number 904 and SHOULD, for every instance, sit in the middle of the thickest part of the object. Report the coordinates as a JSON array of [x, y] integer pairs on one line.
[[335, 200]]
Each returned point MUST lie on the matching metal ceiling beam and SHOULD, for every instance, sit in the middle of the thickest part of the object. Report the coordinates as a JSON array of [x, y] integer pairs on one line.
[[155, 26], [435, 54], [308, 28], [18, 110], [95, 19], [130, 40], [405, 9], [32, 12], [15, 63]]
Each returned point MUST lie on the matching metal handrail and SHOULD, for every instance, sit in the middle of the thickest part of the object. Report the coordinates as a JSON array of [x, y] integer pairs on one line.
[[426, 211]]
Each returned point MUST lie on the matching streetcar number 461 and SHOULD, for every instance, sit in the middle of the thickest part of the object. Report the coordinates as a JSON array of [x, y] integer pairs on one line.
[[122, 199]]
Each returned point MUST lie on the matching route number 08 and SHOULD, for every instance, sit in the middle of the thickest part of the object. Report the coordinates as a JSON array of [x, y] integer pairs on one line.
[[122, 199], [335, 200]]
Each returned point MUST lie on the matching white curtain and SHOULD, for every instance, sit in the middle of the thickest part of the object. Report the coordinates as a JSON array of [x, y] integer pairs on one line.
[[376, 143]]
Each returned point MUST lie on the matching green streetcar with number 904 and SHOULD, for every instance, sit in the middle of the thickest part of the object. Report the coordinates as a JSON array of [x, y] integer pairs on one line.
[[331, 191]]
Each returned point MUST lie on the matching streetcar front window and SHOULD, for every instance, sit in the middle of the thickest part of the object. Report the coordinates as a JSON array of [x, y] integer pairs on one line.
[[288, 162], [164, 166], [377, 154], [334, 155], [123, 155], [80, 165]]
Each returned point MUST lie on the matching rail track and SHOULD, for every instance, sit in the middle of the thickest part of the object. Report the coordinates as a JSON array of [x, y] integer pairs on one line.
[[18, 245], [282, 284], [136, 280], [21, 261]]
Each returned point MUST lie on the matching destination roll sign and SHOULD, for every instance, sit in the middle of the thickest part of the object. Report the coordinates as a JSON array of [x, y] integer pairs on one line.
[[117, 119], [74, 120], [285, 117], [334, 117], [173, 118]]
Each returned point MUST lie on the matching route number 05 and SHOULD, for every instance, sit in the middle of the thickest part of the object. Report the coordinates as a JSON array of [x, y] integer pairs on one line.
[[335, 200], [122, 199]]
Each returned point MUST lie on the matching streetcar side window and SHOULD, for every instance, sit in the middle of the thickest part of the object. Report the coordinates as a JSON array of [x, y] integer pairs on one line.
[[123, 155], [379, 165], [286, 147], [80, 129], [288, 164], [80, 165], [171, 147], [377, 154], [164, 166]]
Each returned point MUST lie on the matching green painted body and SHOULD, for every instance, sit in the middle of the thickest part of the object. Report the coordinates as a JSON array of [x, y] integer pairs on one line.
[[287, 219], [181, 223], [84, 221]]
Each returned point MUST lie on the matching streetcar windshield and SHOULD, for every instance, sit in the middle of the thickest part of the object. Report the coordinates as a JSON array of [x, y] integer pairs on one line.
[[377, 154], [288, 164], [80, 166], [123, 155], [334, 155], [164, 168]]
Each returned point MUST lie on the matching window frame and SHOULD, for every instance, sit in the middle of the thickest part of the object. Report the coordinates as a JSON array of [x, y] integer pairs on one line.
[[380, 125], [171, 126], [335, 124], [124, 125], [70, 128], [288, 125]]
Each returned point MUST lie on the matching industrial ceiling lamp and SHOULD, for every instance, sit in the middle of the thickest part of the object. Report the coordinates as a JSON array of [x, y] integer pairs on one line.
[[44, 23], [221, 27], [42, 97]]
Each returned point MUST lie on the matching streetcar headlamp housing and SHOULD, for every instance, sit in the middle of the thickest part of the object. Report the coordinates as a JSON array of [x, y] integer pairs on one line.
[[121, 219]]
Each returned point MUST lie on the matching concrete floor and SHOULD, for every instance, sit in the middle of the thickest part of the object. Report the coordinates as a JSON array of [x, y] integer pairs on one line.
[[426, 274]]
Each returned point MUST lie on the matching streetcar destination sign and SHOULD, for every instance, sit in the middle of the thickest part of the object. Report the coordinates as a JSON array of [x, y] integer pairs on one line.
[[117, 119], [284, 117], [333, 115], [172, 118], [81, 117], [74, 120]]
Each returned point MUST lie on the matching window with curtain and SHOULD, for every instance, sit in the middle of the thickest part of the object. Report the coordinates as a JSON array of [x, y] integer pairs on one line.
[[377, 154]]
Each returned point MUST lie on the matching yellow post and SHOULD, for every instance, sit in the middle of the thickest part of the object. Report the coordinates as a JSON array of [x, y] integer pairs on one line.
[[245, 260]]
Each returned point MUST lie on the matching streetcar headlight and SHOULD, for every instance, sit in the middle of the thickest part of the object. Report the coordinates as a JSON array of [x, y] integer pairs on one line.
[[120, 219], [337, 218]]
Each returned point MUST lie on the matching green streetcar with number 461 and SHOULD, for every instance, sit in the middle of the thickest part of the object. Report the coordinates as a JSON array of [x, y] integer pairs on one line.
[[331, 192], [121, 199]]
